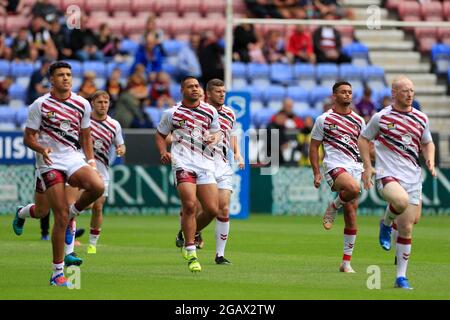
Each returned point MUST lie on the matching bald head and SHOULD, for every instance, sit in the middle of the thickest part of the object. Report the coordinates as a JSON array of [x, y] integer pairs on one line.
[[402, 92]]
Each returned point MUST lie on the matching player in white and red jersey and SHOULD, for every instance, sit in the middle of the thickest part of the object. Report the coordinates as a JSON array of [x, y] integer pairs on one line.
[[215, 92], [338, 130], [195, 129], [62, 119], [106, 133], [401, 133]]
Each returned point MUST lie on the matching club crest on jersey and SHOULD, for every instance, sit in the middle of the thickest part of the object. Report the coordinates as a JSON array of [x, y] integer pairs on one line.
[[390, 126], [406, 139], [64, 125], [98, 144], [51, 176], [51, 115], [332, 126], [182, 123]]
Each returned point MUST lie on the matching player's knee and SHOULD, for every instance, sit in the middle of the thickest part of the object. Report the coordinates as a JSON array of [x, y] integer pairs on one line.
[[405, 230], [401, 204], [354, 190], [189, 207], [224, 212], [61, 217]]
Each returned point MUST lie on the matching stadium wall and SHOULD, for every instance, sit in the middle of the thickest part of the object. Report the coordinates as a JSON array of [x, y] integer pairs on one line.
[[136, 190]]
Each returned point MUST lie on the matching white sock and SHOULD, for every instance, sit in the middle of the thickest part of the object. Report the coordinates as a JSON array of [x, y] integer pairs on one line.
[[73, 211], [338, 202], [190, 248], [57, 268], [222, 230], [390, 215], [403, 251], [27, 211], [94, 234], [69, 246], [349, 244]]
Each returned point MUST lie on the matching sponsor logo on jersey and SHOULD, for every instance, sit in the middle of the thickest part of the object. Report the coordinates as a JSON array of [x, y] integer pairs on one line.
[[98, 144], [391, 126], [51, 115], [65, 125]]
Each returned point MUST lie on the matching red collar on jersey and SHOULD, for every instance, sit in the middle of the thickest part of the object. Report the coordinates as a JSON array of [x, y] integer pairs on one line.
[[190, 107], [334, 110], [400, 111], [56, 98]]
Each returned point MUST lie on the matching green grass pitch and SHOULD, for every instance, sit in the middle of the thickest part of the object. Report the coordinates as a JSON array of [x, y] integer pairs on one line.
[[281, 258]]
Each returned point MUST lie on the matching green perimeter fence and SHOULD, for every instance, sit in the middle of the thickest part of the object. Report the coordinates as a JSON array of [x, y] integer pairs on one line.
[[150, 190]]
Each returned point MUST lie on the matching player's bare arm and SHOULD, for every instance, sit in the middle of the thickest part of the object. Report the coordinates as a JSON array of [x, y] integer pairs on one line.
[[161, 144], [237, 153], [428, 151], [86, 145], [369, 171], [120, 150], [314, 159], [30, 140]]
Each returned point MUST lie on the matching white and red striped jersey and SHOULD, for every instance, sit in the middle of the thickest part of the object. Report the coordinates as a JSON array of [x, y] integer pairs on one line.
[[59, 122], [339, 134], [398, 138], [227, 120], [189, 127], [104, 133]]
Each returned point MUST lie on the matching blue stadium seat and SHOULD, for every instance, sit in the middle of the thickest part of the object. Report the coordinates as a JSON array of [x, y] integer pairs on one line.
[[327, 71], [355, 50], [124, 68], [281, 73], [298, 94], [440, 54], [311, 112], [172, 47], [175, 92], [96, 66], [381, 93], [304, 71], [349, 72], [77, 68], [16, 91], [169, 68], [262, 118], [129, 46], [256, 93], [7, 115], [21, 116], [239, 83], [374, 77], [154, 114], [239, 70], [257, 70], [4, 68], [22, 69], [274, 93], [319, 93]]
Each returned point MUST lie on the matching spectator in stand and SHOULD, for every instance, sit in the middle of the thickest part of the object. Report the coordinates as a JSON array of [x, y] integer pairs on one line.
[[41, 39], [327, 104], [114, 88], [291, 121], [278, 123], [263, 9], [151, 28], [11, 7], [4, 90], [327, 44], [46, 10], [150, 55], [84, 42], [5, 51], [39, 82], [129, 110], [416, 104], [88, 87], [243, 36], [22, 47], [255, 51], [211, 57], [333, 7], [303, 142], [107, 44], [60, 39], [187, 59], [365, 107], [385, 102], [160, 93], [300, 47], [291, 9], [273, 49]]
